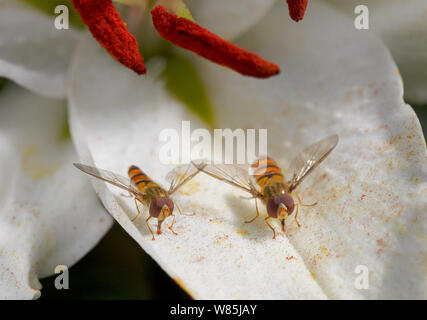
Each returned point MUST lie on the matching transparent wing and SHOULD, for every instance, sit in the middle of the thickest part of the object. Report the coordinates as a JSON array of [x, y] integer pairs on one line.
[[180, 175], [235, 175], [110, 177], [310, 158]]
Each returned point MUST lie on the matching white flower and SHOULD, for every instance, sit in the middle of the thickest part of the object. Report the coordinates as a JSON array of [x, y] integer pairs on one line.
[[402, 25], [334, 79]]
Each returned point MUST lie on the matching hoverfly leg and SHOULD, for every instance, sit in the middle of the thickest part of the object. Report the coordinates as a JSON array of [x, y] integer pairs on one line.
[[137, 208], [182, 214], [173, 221], [257, 213], [304, 205], [269, 225], [148, 226], [296, 214]]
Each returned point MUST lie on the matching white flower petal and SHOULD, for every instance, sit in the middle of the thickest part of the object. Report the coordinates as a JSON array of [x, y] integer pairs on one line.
[[403, 27], [372, 188], [116, 120], [32, 52], [48, 213], [229, 18]]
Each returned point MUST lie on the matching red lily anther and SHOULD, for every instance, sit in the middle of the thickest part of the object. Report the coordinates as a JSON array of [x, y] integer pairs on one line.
[[189, 35], [297, 9], [108, 28]]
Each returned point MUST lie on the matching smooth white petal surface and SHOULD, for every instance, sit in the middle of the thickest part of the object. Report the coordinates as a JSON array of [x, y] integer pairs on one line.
[[49, 214], [229, 18], [32, 52], [372, 189], [403, 27]]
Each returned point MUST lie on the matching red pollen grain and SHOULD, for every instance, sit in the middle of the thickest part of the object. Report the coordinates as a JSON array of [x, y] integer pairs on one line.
[[189, 35], [297, 9], [108, 28]]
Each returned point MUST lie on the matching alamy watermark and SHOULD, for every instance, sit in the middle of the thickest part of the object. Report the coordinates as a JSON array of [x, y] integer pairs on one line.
[[225, 146], [62, 17], [362, 19], [361, 22], [62, 280], [362, 280]]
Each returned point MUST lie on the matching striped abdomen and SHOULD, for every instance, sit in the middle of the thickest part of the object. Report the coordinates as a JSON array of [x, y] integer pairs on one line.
[[140, 179], [266, 172]]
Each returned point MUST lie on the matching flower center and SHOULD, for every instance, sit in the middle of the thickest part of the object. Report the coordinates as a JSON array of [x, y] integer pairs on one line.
[[108, 28]]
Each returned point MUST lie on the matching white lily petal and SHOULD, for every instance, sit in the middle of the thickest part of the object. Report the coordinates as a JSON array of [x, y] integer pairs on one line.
[[229, 18], [117, 123], [372, 188], [32, 52], [48, 213], [403, 27]]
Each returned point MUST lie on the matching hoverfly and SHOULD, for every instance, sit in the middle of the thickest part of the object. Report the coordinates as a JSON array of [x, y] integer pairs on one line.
[[265, 180], [146, 191]]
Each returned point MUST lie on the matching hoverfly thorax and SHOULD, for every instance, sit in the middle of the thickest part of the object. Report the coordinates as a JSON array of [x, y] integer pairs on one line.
[[280, 206]]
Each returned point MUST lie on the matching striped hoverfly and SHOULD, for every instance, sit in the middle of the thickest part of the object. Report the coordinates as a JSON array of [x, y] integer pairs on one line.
[[265, 181], [146, 191]]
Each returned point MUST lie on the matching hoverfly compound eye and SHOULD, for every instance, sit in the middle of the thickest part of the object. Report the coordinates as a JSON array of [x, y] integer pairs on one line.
[[287, 200], [170, 204], [155, 208], [273, 206], [157, 205], [274, 202]]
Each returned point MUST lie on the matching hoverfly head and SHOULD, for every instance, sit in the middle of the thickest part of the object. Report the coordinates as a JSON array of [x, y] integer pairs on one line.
[[280, 206], [161, 208]]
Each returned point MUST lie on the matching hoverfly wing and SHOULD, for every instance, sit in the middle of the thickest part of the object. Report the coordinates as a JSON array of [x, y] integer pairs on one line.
[[108, 176], [180, 175], [235, 175], [310, 158]]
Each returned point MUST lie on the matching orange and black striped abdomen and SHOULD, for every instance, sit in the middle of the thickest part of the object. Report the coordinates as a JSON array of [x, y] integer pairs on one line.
[[140, 179], [266, 171]]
